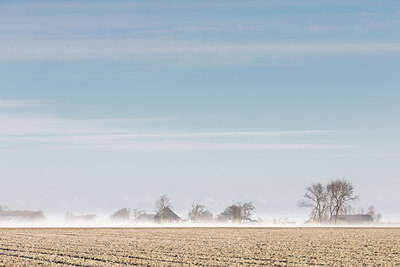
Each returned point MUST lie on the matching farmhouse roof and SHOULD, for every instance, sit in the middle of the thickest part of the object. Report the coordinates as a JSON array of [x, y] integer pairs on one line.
[[359, 218], [166, 215]]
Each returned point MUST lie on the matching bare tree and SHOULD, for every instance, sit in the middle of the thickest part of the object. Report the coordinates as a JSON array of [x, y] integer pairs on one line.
[[22, 214], [231, 213], [161, 204], [238, 212], [199, 213], [376, 216], [329, 201], [121, 215], [340, 193], [247, 210], [371, 212], [316, 197]]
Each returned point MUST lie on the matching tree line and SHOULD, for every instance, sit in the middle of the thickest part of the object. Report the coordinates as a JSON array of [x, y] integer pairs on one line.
[[236, 213], [327, 203]]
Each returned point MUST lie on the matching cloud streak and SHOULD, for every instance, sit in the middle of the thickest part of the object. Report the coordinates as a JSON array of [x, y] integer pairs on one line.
[[117, 5], [166, 135], [124, 135], [159, 50], [19, 103], [199, 146], [36, 124]]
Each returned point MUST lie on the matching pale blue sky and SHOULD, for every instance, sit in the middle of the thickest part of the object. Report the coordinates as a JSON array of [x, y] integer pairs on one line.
[[105, 105]]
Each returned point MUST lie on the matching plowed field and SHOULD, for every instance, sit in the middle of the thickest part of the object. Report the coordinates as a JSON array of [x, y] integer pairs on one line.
[[200, 246]]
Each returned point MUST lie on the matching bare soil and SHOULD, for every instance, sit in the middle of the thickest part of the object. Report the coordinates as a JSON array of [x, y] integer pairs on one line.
[[200, 246]]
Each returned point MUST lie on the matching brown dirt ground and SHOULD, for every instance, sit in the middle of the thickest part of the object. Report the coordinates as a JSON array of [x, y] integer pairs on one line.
[[200, 246]]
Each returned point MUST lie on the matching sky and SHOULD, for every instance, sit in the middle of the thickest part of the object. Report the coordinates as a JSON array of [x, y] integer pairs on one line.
[[106, 105]]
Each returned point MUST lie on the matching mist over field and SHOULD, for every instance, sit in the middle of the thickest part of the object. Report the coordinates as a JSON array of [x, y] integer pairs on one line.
[[105, 106], [212, 133]]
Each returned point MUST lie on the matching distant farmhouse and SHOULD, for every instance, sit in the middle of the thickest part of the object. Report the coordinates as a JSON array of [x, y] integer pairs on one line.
[[145, 218], [121, 215], [166, 215], [7, 214], [348, 219], [355, 219], [69, 216]]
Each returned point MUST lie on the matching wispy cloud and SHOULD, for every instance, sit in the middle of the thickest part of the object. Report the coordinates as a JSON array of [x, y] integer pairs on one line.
[[200, 146], [376, 155], [158, 50], [179, 135], [175, 4], [18, 103], [54, 136], [124, 135], [37, 124]]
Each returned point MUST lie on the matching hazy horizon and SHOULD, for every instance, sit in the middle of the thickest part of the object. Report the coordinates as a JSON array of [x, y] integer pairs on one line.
[[108, 105]]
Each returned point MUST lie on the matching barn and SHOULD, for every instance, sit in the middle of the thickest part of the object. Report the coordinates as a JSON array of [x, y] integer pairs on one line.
[[166, 215], [355, 219]]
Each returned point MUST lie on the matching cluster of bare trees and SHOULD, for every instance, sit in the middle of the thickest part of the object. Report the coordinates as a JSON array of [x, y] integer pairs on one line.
[[198, 213], [371, 211], [25, 215], [237, 213], [163, 204], [240, 212], [327, 202]]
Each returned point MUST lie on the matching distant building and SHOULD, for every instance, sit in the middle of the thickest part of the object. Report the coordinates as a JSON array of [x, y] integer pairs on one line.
[[69, 216], [121, 215], [248, 220], [7, 214], [166, 215], [144, 217], [355, 219]]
